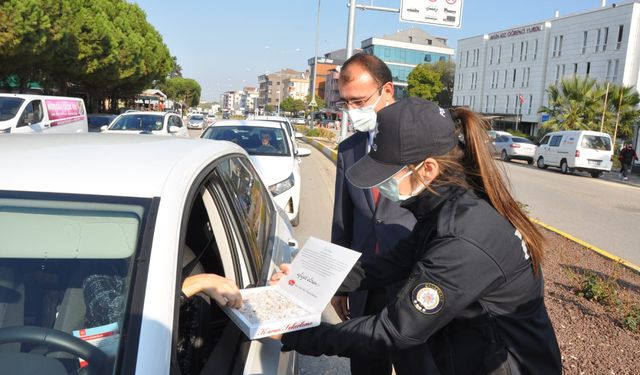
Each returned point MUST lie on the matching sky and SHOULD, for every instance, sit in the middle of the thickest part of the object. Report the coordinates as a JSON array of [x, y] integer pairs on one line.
[[226, 44]]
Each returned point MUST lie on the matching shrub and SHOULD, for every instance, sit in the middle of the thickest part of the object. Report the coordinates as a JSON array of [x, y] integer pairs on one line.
[[631, 318], [321, 132], [599, 289]]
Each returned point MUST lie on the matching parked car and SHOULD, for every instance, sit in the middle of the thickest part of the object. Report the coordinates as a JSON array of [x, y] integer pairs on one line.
[[291, 132], [511, 147], [98, 120], [211, 118], [156, 123], [196, 121], [581, 150], [22, 113], [272, 152], [96, 243]]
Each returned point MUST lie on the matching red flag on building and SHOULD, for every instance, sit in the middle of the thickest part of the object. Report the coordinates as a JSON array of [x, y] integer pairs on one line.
[[521, 98]]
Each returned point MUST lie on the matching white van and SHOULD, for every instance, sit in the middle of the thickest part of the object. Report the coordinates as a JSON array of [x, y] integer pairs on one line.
[[21, 113], [581, 150]]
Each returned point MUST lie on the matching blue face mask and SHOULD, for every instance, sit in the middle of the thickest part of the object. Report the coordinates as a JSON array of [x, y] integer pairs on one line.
[[390, 187]]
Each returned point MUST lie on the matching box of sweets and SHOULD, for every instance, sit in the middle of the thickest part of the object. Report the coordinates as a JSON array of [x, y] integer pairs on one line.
[[297, 301]]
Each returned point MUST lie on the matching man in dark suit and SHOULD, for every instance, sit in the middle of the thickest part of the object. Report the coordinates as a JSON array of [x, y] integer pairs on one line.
[[363, 220]]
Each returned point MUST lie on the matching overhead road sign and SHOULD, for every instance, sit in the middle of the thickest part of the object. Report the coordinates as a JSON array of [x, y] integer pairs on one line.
[[446, 13]]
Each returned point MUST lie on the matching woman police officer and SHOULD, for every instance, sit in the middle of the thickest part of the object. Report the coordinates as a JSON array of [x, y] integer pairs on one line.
[[473, 282]]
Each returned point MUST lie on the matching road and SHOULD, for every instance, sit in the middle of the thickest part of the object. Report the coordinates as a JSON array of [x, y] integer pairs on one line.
[[603, 213]]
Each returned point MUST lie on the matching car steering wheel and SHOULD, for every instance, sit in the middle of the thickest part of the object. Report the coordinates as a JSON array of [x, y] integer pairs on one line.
[[58, 340]]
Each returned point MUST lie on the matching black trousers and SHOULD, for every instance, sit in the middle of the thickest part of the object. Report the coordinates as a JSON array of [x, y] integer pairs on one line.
[[625, 168]]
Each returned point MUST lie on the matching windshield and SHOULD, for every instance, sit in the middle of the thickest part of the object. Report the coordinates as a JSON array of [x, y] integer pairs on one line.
[[596, 142], [520, 140], [256, 140], [96, 121], [66, 266], [196, 118], [141, 122], [9, 107]]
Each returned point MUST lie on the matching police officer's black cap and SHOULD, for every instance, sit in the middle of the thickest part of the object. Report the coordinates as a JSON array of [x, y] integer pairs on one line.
[[409, 131]]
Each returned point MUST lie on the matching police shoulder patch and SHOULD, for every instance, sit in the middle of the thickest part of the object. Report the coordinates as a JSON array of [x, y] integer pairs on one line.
[[427, 298]]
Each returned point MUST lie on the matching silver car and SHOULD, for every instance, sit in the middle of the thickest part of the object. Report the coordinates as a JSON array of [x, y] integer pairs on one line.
[[513, 147]]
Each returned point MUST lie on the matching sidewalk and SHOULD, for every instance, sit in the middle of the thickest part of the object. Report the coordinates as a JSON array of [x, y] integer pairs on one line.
[[613, 176]]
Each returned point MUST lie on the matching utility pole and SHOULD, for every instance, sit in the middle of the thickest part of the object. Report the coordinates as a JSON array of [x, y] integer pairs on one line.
[[615, 131], [313, 104], [604, 108]]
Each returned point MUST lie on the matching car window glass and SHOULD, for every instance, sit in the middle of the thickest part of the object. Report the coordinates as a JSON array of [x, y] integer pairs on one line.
[[32, 113], [139, 122], [252, 204], [555, 140], [176, 121], [544, 140], [596, 142], [256, 140], [520, 140], [9, 107]]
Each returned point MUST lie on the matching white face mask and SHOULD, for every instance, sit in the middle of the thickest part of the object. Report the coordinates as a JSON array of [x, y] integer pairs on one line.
[[390, 188], [364, 119]]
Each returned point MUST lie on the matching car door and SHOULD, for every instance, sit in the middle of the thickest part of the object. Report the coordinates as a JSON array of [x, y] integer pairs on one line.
[[553, 150], [31, 119], [177, 122], [231, 230]]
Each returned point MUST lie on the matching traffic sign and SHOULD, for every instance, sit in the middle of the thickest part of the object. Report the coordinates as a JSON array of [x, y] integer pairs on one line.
[[446, 13], [313, 103]]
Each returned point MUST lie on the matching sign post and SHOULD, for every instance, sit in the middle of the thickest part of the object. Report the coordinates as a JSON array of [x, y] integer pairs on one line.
[[447, 13]]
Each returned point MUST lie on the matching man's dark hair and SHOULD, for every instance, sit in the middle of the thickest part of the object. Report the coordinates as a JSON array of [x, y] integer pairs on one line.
[[376, 67]]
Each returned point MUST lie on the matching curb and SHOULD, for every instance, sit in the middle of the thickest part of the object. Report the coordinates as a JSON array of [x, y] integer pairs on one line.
[[326, 151], [589, 246], [333, 156]]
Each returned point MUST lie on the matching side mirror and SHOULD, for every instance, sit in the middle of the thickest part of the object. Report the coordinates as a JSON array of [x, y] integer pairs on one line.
[[104, 127], [299, 135], [174, 129], [302, 152]]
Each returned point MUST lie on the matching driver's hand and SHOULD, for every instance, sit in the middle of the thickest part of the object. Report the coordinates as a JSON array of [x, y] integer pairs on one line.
[[222, 290]]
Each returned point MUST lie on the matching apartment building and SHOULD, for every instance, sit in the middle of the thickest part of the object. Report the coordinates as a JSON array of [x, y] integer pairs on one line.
[[271, 90], [504, 74], [404, 50]]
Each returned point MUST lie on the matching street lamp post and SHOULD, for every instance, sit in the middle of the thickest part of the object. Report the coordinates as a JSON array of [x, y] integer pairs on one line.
[[315, 68]]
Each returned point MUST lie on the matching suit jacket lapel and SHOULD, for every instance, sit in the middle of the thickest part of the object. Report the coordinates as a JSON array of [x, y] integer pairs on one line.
[[360, 152]]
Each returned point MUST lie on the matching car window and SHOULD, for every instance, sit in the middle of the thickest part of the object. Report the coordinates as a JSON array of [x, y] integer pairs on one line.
[[555, 140], [596, 142], [520, 140], [176, 121], [76, 276], [140, 122], [256, 140], [253, 208], [500, 139], [544, 140], [32, 113], [9, 107]]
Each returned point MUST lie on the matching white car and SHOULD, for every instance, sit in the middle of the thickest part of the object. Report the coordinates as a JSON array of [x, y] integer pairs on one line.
[[155, 123], [97, 240], [276, 158], [196, 121]]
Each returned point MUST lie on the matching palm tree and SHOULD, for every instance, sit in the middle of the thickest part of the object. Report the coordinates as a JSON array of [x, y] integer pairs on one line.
[[627, 107]]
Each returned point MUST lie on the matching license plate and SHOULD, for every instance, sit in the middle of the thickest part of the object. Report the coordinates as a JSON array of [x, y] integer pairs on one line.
[[595, 162]]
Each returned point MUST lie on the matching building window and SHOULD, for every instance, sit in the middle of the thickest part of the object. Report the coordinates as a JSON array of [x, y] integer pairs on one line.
[[521, 50], [608, 77], [585, 36], [606, 37], [598, 39], [524, 76], [555, 46], [486, 104], [557, 74], [513, 50], [506, 73], [528, 76], [466, 64], [517, 104], [506, 108], [429, 42], [427, 58], [620, 30], [575, 69], [441, 58], [410, 39], [588, 68], [563, 66], [493, 79], [526, 50], [491, 56], [535, 50], [530, 101], [499, 54], [460, 60], [560, 45], [495, 99], [615, 70], [513, 81]]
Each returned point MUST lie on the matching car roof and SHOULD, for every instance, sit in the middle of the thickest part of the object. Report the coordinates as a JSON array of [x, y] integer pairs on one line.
[[147, 113], [105, 164], [270, 118], [254, 123]]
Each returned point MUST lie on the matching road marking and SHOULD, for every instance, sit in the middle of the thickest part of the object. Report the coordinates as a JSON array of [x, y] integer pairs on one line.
[[589, 246]]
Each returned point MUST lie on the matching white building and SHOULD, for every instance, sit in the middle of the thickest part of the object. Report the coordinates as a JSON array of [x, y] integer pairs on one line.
[[504, 74]]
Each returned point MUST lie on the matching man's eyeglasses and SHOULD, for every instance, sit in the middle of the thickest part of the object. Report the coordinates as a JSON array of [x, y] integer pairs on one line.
[[344, 105]]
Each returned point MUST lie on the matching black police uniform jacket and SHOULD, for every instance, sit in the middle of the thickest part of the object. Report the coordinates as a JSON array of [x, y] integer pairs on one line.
[[470, 291]]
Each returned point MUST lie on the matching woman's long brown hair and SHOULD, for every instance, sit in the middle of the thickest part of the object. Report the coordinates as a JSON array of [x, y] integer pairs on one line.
[[472, 165]]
